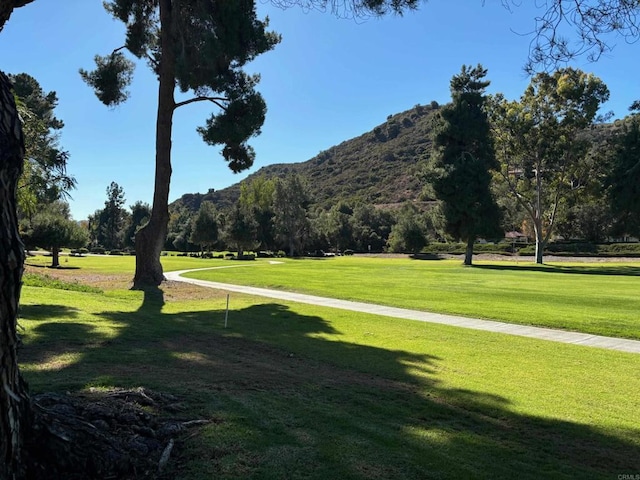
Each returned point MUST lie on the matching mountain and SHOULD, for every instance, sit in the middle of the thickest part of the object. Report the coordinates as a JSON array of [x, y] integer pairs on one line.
[[379, 167]]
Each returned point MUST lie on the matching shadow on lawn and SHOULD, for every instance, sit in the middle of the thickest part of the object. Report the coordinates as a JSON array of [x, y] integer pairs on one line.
[[598, 269], [336, 409]]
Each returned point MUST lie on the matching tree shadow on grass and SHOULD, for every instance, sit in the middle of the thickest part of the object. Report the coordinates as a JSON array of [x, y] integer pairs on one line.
[[290, 398], [41, 312], [598, 269]]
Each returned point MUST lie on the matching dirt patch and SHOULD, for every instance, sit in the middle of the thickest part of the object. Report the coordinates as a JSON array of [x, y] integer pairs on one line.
[[123, 434]]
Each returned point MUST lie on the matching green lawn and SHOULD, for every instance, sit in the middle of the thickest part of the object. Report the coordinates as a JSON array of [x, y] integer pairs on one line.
[[598, 298], [297, 391]]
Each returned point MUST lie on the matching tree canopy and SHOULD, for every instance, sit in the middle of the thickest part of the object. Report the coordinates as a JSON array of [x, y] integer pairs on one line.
[[540, 143], [45, 178]]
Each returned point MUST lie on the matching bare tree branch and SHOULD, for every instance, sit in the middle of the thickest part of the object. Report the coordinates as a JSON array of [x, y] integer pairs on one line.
[[217, 100]]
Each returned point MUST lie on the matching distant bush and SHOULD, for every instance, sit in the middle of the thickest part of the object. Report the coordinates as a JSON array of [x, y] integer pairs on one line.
[[98, 250], [455, 248], [116, 252], [348, 252], [229, 255], [281, 254]]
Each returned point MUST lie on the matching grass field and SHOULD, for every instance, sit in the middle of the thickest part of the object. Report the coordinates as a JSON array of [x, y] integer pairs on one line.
[[297, 391], [598, 298]]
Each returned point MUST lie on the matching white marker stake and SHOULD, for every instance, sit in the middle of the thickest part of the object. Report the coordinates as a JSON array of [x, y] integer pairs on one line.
[[226, 313]]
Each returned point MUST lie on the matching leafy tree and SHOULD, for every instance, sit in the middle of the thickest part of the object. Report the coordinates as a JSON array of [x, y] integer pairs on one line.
[[44, 178], [204, 230], [139, 216], [240, 230], [540, 143], [408, 233], [200, 47], [371, 227], [52, 228], [459, 170], [624, 179], [290, 204], [336, 226], [180, 222], [256, 196]]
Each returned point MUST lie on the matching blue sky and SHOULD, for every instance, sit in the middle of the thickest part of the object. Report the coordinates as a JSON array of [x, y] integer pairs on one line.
[[329, 80]]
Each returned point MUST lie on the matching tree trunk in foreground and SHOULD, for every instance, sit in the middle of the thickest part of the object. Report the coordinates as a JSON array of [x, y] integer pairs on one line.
[[468, 253], [14, 399], [150, 238]]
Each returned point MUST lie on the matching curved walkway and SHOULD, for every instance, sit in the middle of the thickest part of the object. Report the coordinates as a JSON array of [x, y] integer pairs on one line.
[[610, 343]]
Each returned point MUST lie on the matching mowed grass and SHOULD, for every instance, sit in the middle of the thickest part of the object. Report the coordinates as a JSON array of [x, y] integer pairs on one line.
[[598, 298], [297, 391]]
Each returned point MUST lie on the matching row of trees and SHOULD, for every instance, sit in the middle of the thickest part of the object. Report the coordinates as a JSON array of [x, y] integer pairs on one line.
[[484, 170], [279, 214], [535, 161]]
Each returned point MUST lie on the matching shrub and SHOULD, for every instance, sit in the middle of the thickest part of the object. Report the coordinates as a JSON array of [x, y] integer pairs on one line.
[[98, 250], [115, 252], [348, 252]]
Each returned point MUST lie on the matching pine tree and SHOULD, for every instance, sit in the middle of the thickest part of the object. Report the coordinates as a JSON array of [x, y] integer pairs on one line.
[[198, 46], [463, 157]]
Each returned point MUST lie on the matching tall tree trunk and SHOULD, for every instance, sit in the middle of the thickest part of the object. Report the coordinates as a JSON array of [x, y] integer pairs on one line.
[[468, 253], [14, 399], [55, 257], [537, 221], [150, 238], [540, 243]]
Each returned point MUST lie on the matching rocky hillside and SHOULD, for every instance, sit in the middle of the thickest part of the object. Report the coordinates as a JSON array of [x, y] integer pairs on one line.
[[378, 167]]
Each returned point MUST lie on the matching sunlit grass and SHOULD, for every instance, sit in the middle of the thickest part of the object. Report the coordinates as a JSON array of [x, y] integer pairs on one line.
[[596, 298], [298, 391]]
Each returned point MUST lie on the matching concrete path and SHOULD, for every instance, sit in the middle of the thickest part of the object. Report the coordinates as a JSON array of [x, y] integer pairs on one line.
[[553, 335]]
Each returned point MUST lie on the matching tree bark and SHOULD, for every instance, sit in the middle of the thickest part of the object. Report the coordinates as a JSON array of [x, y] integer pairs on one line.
[[468, 254], [55, 254], [14, 399], [150, 238], [540, 243]]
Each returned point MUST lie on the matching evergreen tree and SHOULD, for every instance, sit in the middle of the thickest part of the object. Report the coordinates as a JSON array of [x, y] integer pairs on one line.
[[44, 179], [462, 159], [256, 196], [240, 230], [204, 228], [139, 216], [198, 46], [107, 226], [290, 204]]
